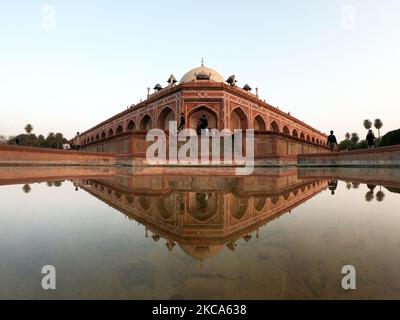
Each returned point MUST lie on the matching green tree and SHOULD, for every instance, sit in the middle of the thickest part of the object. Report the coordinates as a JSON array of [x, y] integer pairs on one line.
[[28, 128], [347, 136], [378, 124], [59, 140], [40, 141], [367, 124], [362, 144], [354, 137], [50, 143], [346, 145], [390, 138]]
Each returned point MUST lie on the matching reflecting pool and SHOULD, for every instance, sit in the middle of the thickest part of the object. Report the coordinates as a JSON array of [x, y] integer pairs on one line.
[[118, 233]]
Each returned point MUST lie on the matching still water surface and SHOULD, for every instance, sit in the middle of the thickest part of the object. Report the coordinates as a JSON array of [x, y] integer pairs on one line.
[[278, 234]]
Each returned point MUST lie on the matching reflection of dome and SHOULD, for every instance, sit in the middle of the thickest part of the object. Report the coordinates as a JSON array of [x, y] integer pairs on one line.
[[202, 72], [201, 252]]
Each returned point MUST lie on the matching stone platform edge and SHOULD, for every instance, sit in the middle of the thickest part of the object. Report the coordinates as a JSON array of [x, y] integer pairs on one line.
[[377, 157], [11, 155]]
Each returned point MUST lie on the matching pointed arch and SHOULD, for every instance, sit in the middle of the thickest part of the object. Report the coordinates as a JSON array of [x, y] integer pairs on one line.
[[274, 126], [302, 137], [285, 130], [146, 122], [103, 135], [119, 130], [97, 137], [238, 119], [110, 132], [197, 112], [294, 133], [130, 126], [166, 115], [259, 123]]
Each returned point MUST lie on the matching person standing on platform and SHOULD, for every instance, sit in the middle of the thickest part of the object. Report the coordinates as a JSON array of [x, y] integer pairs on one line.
[[203, 123], [370, 139], [182, 122], [77, 141], [332, 142]]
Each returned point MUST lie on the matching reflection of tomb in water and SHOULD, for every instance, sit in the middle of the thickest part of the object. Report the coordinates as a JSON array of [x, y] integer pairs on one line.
[[203, 214]]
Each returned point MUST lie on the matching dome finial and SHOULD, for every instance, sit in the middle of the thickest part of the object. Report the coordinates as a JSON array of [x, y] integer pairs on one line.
[[202, 62]]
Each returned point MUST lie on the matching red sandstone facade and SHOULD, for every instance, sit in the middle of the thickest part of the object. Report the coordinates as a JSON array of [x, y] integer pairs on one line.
[[225, 106]]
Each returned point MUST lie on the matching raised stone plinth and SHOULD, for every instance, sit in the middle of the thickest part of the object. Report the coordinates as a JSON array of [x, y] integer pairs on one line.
[[16, 155], [378, 157]]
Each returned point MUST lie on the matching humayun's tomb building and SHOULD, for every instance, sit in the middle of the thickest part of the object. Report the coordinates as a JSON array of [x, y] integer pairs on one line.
[[278, 136]]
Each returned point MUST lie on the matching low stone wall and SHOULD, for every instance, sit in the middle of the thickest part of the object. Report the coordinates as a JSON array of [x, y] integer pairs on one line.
[[378, 157], [16, 155]]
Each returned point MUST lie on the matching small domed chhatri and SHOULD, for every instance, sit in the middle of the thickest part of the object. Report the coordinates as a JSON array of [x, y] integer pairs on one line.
[[200, 73]]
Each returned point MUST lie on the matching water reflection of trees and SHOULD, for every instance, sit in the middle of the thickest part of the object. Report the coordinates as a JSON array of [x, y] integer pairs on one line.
[[26, 188], [369, 196], [355, 185], [54, 183], [380, 195]]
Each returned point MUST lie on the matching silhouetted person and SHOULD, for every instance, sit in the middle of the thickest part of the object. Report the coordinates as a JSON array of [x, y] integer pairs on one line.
[[77, 141], [370, 139], [203, 122], [182, 122], [332, 142], [17, 141], [198, 128]]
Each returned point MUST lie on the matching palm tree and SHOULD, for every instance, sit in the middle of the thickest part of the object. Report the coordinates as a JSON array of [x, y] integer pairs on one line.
[[380, 195], [367, 124], [347, 136], [378, 124], [28, 128], [369, 196]]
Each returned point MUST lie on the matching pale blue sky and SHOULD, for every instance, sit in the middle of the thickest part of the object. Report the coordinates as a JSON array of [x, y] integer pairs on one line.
[[307, 57]]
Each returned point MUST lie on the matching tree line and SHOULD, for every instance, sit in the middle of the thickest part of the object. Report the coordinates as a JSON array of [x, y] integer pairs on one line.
[[53, 140]]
